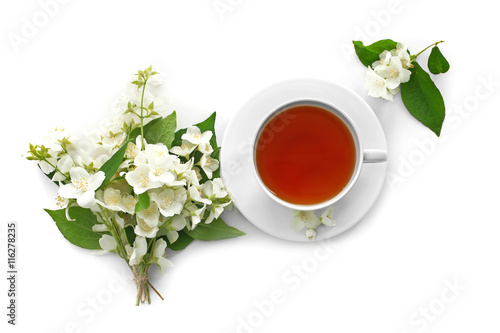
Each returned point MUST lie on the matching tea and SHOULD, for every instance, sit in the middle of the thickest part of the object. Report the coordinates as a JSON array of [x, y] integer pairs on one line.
[[305, 155]]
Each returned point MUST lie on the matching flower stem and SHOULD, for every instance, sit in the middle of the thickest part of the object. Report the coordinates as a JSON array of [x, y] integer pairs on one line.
[[413, 57], [119, 240], [156, 291], [149, 296], [113, 229], [142, 115]]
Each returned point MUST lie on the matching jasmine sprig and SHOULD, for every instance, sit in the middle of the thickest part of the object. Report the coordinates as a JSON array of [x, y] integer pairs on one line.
[[391, 66]]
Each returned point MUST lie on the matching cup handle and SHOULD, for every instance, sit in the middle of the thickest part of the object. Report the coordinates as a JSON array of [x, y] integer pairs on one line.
[[374, 156]]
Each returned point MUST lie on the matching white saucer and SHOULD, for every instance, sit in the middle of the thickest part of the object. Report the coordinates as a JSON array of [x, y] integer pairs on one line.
[[237, 169]]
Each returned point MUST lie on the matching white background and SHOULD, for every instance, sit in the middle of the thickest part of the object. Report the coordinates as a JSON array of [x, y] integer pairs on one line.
[[436, 223]]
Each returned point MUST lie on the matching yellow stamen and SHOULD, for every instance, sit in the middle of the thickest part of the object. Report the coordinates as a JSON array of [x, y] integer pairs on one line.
[[81, 184]]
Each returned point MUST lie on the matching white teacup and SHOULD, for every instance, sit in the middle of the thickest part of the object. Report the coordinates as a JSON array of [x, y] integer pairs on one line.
[[362, 155]]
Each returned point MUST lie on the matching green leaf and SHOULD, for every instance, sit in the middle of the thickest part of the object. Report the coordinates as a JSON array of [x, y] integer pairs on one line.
[[137, 131], [423, 99], [111, 166], [142, 202], [216, 230], [437, 63], [371, 53], [181, 243], [78, 232], [130, 234], [162, 131]]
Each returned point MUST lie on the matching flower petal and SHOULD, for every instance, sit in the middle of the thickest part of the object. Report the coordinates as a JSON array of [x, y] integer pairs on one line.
[[100, 227], [107, 243], [78, 173], [69, 191], [140, 249], [297, 224], [160, 247], [163, 264], [172, 236], [95, 181], [86, 199]]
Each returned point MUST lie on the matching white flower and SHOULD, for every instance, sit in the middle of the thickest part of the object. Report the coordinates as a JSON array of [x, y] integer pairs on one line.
[[150, 215], [140, 179], [133, 149], [194, 135], [61, 202], [184, 150], [215, 189], [159, 161], [181, 195], [394, 73], [166, 201], [91, 152], [401, 51], [113, 141], [110, 199], [139, 250], [82, 186], [376, 85], [112, 125], [128, 203], [208, 165], [310, 234], [303, 219], [145, 230], [154, 153], [159, 171], [181, 168], [384, 59], [183, 174], [178, 181], [195, 193], [158, 152], [121, 104], [327, 217], [107, 243], [215, 212], [178, 222], [191, 178], [64, 164], [199, 177], [158, 254], [393, 91], [197, 215], [205, 148]]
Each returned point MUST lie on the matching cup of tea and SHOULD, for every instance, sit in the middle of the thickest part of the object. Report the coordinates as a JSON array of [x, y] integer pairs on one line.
[[307, 154]]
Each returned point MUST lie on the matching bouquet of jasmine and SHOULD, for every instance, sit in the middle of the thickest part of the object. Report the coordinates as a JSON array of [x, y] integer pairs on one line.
[[137, 186]]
